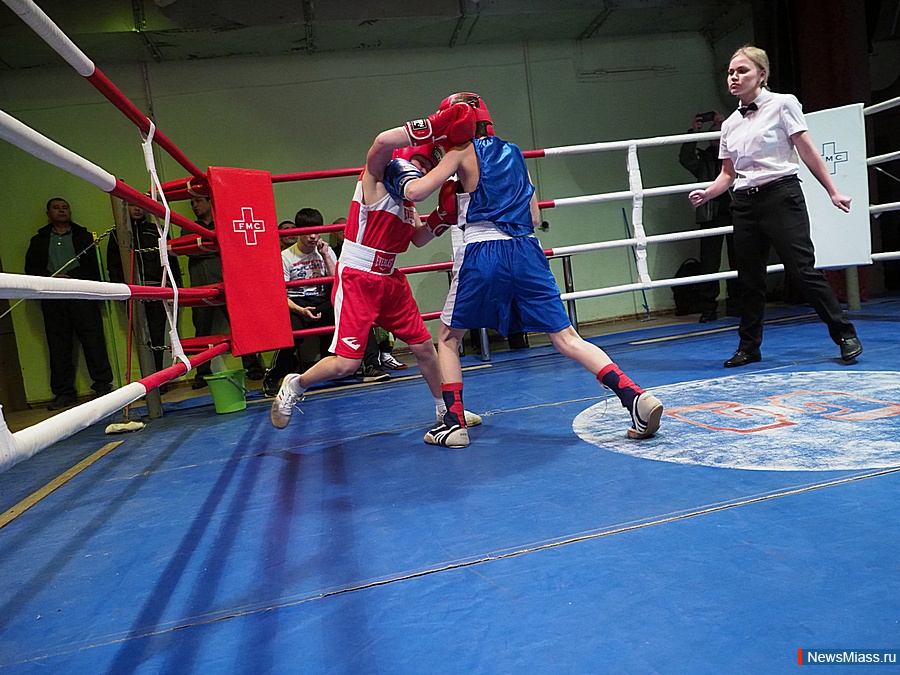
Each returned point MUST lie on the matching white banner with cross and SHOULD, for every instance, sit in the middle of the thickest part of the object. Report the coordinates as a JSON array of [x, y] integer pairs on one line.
[[841, 239]]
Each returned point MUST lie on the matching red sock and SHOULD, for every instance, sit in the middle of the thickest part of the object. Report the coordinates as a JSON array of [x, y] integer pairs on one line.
[[456, 413], [622, 386]]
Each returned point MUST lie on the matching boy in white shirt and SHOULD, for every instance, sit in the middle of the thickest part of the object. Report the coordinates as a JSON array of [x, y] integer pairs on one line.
[[310, 304]]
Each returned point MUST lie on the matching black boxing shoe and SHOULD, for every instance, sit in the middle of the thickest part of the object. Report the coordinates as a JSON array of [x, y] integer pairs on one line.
[[851, 347], [742, 358]]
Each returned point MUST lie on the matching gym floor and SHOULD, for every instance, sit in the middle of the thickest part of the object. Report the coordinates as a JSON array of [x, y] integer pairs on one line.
[[761, 519]]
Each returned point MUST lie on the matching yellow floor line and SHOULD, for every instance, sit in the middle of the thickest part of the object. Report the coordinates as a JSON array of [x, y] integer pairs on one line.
[[35, 497]]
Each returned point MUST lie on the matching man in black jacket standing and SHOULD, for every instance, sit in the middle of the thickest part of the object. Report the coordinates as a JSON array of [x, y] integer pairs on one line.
[[65, 249], [205, 270], [147, 271], [704, 163]]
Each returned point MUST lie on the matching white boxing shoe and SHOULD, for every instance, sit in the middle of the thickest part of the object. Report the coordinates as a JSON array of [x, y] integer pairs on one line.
[[390, 362], [448, 436], [646, 412], [472, 419], [283, 405]]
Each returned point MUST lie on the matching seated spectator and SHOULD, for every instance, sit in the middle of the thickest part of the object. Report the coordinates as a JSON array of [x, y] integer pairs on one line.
[[310, 306], [287, 242], [337, 238]]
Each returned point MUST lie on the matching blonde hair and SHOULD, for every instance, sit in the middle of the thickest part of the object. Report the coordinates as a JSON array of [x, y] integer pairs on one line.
[[759, 58]]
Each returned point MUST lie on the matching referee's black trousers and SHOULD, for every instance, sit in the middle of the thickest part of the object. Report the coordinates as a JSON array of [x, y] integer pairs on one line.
[[776, 215]]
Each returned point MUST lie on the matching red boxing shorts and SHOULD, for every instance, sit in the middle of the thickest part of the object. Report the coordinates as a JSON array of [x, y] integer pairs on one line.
[[363, 299]]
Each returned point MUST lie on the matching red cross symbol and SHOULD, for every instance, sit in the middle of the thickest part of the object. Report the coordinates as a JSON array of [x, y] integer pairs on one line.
[[249, 226]]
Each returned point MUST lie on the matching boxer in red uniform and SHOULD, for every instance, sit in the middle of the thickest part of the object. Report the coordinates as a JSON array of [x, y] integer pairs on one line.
[[369, 289]]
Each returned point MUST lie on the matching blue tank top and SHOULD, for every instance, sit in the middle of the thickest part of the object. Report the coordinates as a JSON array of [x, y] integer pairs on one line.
[[503, 194]]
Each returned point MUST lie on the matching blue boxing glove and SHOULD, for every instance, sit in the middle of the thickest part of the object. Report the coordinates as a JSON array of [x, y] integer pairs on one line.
[[396, 176]]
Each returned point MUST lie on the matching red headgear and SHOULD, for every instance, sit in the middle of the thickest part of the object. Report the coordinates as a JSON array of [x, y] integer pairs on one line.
[[427, 153], [474, 100]]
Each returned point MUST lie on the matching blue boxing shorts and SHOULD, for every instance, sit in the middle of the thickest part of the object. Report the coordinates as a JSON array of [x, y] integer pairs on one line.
[[504, 283]]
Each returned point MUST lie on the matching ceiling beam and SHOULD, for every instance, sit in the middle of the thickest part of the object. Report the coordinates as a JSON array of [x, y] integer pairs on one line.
[[595, 24], [309, 21], [140, 25]]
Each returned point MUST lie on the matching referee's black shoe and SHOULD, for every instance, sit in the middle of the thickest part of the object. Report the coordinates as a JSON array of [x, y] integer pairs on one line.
[[851, 347], [742, 358]]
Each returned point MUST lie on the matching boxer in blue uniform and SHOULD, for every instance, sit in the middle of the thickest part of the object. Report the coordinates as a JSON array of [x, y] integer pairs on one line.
[[504, 281]]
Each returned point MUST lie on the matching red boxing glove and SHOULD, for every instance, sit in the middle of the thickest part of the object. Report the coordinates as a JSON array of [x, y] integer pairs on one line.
[[446, 214], [447, 128]]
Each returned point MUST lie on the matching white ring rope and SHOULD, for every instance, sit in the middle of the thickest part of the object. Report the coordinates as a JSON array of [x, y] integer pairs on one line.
[[881, 159], [884, 208], [625, 145], [38, 145], [650, 239], [24, 444], [628, 194], [893, 255], [41, 24], [19, 446], [55, 288], [881, 107], [662, 283], [16, 283]]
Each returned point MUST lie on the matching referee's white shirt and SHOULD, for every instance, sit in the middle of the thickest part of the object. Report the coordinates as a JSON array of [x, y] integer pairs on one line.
[[760, 144]]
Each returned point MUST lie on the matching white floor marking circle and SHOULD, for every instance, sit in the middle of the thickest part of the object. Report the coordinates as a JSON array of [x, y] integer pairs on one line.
[[817, 421]]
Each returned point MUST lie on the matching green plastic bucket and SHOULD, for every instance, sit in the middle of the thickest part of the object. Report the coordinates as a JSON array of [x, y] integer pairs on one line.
[[227, 389]]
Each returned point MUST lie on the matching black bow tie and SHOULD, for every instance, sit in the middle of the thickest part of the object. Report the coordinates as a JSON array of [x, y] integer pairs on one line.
[[748, 109]]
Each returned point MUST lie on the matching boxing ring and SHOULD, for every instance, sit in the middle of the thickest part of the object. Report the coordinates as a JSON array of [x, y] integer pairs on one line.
[[550, 544]]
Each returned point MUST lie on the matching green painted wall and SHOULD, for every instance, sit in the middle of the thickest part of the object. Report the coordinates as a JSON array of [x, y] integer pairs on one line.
[[320, 112]]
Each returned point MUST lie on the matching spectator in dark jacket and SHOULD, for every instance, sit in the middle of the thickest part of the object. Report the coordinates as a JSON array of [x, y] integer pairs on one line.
[[205, 270], [65, 249], [147, 271], [704, 163]]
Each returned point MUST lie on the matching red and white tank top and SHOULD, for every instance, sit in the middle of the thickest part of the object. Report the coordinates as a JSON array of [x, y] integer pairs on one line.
[[386, 225]]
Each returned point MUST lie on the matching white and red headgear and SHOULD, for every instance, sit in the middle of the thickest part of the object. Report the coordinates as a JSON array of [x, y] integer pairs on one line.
[[481, 110], [427, 153]]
